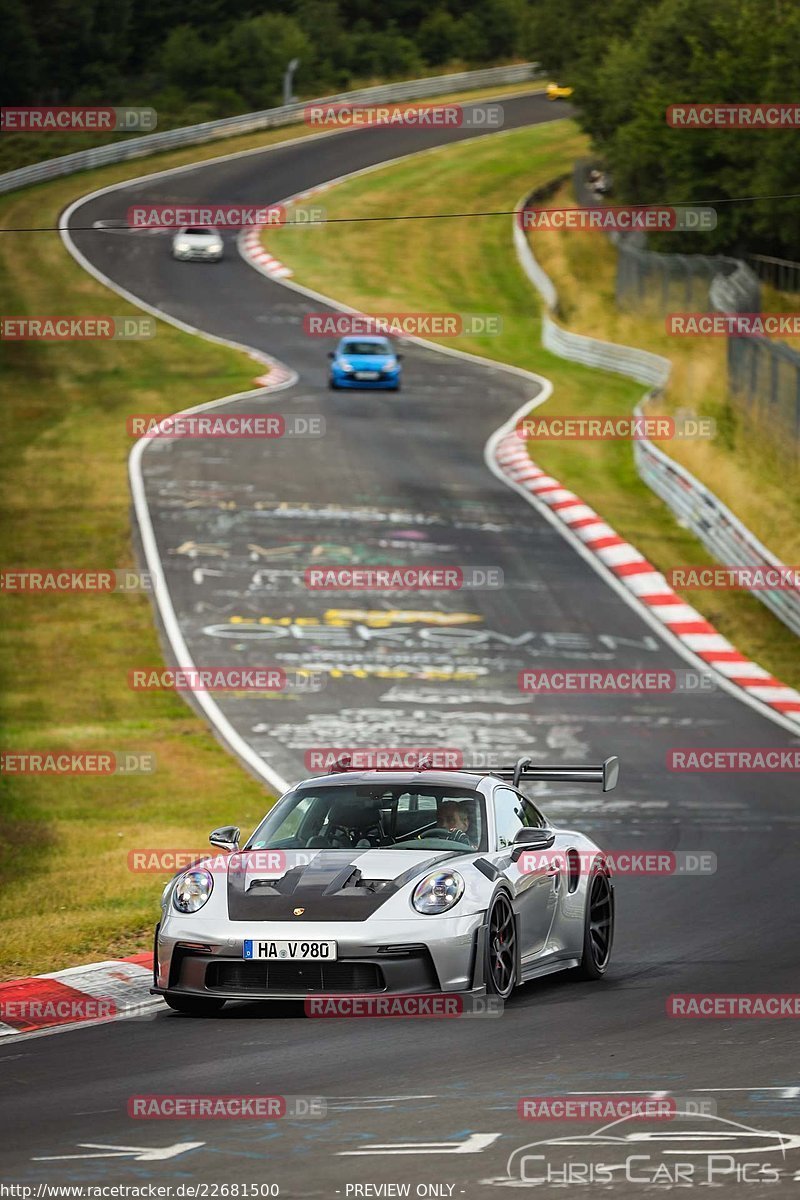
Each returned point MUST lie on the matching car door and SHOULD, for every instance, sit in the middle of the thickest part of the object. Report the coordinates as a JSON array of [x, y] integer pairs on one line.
[[535, 893]]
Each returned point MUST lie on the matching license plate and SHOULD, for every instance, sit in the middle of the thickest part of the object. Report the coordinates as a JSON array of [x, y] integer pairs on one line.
[[368, 374], [290, 951]]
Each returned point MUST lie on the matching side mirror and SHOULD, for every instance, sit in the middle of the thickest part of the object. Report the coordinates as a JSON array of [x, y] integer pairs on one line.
[[226, 838], [531, 839], [331, 354], [398, 357]]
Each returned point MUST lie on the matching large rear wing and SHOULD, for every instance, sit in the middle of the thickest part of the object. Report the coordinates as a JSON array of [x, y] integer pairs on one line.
[[607, 773]]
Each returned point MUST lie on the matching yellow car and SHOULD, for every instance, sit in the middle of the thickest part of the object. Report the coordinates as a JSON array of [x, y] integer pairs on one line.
[[555, 91]]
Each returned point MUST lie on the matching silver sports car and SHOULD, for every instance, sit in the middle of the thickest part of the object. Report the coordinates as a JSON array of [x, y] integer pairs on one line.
[[390, 881]]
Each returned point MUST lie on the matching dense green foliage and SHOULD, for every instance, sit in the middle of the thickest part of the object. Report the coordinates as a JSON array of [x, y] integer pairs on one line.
[[629, 59], [217, 58], [229, 55]]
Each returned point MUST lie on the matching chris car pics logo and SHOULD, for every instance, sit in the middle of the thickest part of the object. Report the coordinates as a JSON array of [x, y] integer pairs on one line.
[[694, 1148]]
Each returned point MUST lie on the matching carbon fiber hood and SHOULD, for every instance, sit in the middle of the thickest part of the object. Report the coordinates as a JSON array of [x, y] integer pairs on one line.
[[336, 885]]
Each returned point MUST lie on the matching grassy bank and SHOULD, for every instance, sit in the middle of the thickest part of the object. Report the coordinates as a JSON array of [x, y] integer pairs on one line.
[[744, 469]]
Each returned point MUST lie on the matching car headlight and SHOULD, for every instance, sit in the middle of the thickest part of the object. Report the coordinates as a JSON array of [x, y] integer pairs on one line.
[[437, 892], [390, 365], [182, 247], [345, 366], [192, 890]]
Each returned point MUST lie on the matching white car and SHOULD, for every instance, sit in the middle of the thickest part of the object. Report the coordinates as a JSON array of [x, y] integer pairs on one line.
[[394, 881], [205, 245]]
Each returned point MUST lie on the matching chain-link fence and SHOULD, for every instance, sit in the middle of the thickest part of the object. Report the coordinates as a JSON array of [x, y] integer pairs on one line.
[[662, 283], [763, 375], [649, 280]]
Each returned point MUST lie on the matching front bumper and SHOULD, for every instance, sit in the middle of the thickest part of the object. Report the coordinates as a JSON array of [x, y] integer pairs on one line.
[[197, 255], [385, 960], [386, 381]]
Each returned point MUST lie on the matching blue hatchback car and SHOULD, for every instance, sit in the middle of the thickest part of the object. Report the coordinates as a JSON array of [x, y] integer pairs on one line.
[[365, 362]]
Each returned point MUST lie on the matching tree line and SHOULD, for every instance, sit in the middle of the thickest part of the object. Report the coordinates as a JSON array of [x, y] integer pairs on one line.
[[629, 60], [228, 56]]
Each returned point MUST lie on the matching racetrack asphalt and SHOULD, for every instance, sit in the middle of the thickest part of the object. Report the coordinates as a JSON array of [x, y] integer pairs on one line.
[[401, 478]]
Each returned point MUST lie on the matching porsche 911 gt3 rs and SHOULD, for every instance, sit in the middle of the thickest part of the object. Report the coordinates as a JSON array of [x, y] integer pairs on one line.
[[390, 881]]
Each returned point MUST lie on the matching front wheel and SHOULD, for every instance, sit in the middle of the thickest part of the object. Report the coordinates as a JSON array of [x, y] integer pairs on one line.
[[195, 1006], [501, 949], [332, 385], [598, 930]]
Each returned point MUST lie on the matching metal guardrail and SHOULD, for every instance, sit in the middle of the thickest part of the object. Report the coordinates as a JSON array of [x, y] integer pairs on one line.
[[287, 114], [641, 365], [735, 288], [713, 523], [695, 506], [780, 273]]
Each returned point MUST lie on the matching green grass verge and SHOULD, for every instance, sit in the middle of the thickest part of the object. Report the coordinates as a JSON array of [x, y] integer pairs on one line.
[[66, 894], [468, 265]]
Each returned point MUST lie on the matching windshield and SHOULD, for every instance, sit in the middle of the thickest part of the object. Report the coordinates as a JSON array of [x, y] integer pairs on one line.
[[366, 348], [201, 232], [375, 816]]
